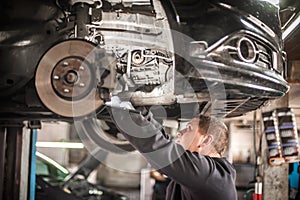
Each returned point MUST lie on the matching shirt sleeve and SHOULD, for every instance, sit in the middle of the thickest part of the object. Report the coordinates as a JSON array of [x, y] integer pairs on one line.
[[146, 135]]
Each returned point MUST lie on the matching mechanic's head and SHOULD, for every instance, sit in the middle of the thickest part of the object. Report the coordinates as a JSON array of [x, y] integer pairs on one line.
[[205, 135]]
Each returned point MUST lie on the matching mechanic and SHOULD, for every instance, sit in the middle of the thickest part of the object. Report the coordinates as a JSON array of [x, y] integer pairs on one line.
[[194, 163]]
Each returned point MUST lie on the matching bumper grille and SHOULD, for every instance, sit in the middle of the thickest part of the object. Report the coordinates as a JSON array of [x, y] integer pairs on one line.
[[244, 49]]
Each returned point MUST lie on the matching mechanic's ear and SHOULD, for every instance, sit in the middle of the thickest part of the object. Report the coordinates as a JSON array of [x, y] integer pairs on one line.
[[208, 139]]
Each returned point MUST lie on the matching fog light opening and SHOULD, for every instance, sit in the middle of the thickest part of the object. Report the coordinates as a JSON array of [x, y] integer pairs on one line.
[[246, 50]]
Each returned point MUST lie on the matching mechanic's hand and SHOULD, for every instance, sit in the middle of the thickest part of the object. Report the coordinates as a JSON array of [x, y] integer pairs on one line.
[[115, 101]]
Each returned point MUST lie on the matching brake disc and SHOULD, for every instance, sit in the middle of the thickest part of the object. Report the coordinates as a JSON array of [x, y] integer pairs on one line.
[[66, 79]]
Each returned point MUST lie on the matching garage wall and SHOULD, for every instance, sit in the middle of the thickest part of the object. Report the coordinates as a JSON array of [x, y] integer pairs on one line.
[[54, 132]]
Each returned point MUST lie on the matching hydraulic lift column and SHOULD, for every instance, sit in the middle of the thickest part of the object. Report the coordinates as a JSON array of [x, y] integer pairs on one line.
[[10, 160], [2, 157]]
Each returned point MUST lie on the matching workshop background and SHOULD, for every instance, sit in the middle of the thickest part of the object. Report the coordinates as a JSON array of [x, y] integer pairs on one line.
[[245, 132], [44, 156]]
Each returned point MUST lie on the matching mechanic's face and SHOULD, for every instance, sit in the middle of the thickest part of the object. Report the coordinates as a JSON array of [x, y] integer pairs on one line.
[[190, 136]]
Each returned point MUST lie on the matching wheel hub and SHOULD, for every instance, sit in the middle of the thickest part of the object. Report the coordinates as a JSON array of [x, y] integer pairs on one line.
[[66, 80], [71, 78]]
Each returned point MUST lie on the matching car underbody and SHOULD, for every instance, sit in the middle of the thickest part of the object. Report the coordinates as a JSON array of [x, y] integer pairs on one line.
[[62, 60]]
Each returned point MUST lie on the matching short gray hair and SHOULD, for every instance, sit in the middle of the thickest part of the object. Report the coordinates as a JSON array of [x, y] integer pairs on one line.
[[216, 128]]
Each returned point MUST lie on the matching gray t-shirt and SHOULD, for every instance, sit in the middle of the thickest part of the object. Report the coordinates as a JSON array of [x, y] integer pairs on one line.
[[194, 176]]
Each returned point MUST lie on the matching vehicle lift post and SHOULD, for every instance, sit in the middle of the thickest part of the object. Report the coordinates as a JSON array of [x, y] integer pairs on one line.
[[16, 148], [10, 159]]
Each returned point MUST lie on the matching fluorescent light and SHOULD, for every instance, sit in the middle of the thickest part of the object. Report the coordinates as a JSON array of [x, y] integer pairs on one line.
[[66, 145], [291, 28]]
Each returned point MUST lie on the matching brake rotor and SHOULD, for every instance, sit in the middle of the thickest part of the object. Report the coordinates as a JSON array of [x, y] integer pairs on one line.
[[66, 79]]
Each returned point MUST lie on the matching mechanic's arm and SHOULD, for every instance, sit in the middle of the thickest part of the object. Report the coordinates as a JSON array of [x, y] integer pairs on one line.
[[146, 135]]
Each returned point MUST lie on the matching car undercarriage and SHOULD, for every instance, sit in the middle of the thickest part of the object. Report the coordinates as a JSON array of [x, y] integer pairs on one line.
[[62, 60]]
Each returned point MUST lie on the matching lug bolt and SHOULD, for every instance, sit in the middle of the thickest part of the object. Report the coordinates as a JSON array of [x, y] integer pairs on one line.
[[65, 63], [66, 90], [81, 84], [56, 77]]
